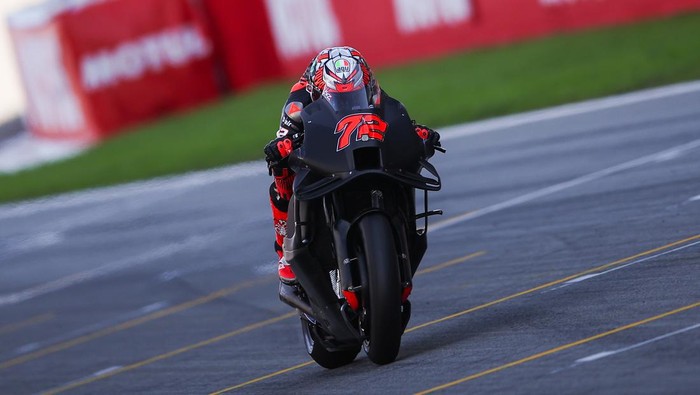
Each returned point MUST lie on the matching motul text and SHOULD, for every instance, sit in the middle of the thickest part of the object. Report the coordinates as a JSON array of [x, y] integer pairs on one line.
[[131, 60]]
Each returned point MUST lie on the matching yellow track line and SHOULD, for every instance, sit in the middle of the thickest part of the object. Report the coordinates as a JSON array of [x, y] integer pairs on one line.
[[450, 263], [283, 371], [483, 306], [305, 364], [9, 328], [553, 283], [171, 353], [557, 349], [130, 324]]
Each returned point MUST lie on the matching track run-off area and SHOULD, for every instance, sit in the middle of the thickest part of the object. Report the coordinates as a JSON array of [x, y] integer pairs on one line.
[[566, 261]]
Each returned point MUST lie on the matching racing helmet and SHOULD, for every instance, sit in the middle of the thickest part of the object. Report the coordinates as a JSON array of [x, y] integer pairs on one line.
[[315, 73], [344, 86]]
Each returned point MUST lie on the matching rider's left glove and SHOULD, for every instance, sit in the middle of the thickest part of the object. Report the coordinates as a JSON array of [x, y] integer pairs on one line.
[[429, 136]]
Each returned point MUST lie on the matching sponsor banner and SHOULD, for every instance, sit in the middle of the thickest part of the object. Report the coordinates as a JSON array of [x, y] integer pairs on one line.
[[95, 66], [137, 60], [395, 31], [114, 63]]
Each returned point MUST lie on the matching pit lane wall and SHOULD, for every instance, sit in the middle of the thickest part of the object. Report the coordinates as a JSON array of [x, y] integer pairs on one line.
[[92, 67]]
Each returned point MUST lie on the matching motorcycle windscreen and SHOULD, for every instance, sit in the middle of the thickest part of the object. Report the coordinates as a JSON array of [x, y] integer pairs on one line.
[[347, 101], [346, 144]]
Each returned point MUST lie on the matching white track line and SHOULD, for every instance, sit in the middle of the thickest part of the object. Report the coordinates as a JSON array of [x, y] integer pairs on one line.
[[54, 232], [164, 184], [567, 110], [606, 354], [593, 275], [657, 157], [145, 310], [257, 168], [192, 243]]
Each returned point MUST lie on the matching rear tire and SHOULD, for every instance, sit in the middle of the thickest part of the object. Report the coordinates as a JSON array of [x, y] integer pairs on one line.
[[323, 357], [383, 301]]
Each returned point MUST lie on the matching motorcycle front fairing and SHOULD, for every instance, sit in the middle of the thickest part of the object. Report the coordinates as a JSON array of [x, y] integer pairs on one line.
[[340, 146]]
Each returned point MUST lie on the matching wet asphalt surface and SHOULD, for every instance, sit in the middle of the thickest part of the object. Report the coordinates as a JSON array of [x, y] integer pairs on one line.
[[570, 265]]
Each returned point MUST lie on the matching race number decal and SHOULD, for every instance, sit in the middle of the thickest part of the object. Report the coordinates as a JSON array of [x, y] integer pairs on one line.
[[365, 127]]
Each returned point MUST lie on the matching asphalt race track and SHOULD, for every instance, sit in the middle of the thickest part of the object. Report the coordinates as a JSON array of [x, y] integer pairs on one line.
[[566, 262]]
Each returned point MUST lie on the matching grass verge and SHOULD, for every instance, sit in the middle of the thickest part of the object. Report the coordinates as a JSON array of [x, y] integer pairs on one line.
[[440, 92]]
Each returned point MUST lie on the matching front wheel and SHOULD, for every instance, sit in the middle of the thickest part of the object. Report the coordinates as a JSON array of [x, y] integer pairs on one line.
[[382, 299]]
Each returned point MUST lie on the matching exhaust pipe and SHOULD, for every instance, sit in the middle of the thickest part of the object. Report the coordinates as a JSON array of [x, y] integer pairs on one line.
[[290, 295]]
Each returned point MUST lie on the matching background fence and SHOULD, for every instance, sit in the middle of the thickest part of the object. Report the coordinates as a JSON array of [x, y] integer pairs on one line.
[[92, 67]]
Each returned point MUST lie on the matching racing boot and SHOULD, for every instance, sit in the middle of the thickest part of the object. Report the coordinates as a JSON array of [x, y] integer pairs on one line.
[[280, 193]]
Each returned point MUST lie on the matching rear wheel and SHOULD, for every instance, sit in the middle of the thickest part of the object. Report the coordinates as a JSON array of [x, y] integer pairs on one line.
[[382, 299], [323, 357]]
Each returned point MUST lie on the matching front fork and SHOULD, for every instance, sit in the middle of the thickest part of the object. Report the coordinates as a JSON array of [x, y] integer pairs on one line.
[[352, 275]]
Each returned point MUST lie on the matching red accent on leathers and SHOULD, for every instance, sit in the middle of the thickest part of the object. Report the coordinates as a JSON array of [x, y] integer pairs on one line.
[[279, 221], [294, 108], [299, 85], [283, 184], [279, 202]]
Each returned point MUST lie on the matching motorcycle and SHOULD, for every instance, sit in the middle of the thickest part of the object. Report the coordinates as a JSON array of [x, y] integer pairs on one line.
[[352, 233]]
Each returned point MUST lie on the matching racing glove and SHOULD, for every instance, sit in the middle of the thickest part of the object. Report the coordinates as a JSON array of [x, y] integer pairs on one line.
[[277, 151], [430, 137]]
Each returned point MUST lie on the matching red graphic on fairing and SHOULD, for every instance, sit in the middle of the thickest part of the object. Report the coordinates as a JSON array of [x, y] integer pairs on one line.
[[368, 126]]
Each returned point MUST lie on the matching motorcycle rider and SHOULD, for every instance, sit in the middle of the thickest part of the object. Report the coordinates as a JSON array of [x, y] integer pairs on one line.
[[290, 134]]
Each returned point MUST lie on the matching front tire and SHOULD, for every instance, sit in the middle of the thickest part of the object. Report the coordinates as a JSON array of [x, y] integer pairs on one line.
[[383, 299]]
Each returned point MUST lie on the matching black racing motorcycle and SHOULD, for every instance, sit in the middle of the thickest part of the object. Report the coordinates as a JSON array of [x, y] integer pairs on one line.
[[352, 236]]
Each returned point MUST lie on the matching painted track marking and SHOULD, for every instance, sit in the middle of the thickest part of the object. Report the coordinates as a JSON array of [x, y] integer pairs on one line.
[[168, 184], [453, 262], [175, 309], [567, 110], [31, 347], [9, 328], [590, 276], [114, 371], [658, 156], [558, 349], [194, 242], [262, 378], [78, 383], [305, 364], [135, 322], [606, 354], [556, 282], [485, 305]]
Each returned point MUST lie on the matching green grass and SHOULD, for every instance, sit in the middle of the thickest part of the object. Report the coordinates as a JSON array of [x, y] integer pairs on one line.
[[439, 92]]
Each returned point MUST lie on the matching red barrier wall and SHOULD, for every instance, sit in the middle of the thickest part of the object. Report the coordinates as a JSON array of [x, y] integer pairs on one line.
[[394, 31], [91, 70], [244, 40], [121, 62]]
